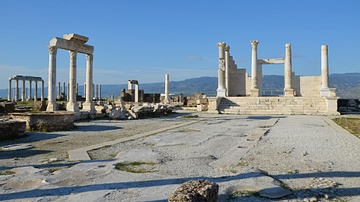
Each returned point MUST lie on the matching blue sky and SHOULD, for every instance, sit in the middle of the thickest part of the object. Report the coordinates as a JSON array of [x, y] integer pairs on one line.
[[143, 39]]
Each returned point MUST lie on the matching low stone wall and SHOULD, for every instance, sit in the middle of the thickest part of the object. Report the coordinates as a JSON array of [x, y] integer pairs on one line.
[[11, 128], [46, 121]]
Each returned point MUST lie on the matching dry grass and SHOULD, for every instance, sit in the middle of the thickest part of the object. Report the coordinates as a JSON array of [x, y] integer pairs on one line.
[[350, 124]]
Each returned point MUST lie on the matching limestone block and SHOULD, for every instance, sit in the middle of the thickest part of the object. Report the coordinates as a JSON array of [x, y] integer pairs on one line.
[[196, 190]]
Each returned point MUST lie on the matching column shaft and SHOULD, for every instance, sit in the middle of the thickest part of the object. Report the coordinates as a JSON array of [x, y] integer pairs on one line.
[[254, 70], [16, 96], [72, 104], [137, 92], [227, 69], [89, 105], [35, 91], [324, 89], [52, 79], [221, 91], [288, 90], [167, 99], [9, 90], [23, 91], [29, 91], [42, 90]]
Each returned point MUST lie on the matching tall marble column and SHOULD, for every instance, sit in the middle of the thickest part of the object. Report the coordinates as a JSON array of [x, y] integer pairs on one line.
[[167, 99], [221, 91], [9, 90], [136, 92], [288, 90], [23, 91], [16, 93], [97, 92], [42, 90], [52, 80], [100, 92], [254, 90], [59, 89], [29, 90], [227, 69], [89, 104], [72, 104], [35, 91], [63, 88], [324, 89]]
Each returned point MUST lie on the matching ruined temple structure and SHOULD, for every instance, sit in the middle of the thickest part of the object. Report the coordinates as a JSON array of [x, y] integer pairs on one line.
[[30, 80], [75, 44], [239, 93]]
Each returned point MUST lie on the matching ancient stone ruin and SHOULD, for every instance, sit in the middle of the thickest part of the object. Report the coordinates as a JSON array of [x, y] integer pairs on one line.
[[239, 93], [30, 80], [196, 191]]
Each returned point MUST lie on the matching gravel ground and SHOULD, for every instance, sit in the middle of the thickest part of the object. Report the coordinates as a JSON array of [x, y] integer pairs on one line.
[[246, 155]]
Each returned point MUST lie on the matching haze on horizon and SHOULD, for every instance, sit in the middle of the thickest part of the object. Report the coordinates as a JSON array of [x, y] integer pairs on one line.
[[144, 40]]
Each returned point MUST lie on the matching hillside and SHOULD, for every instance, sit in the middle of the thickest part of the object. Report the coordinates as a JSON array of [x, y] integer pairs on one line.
[[347, 85]]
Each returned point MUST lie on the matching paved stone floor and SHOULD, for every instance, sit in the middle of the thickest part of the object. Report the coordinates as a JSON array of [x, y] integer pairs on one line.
[[252, 158]]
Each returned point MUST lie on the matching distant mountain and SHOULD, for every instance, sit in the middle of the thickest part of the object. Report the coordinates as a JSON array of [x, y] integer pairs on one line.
[[347, 85]]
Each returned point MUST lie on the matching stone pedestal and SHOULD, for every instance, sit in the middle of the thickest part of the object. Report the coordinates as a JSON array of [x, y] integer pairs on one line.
[[254, 92], [289, 93]]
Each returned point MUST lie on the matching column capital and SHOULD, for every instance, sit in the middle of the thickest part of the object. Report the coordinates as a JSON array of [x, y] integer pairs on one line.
[[221, 44], [227, 48], [288, 45], [254, 43], [52, 50], [89, 57], [73, 53]]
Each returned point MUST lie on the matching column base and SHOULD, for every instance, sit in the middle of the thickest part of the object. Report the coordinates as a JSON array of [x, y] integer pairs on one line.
[[221, 92], [289, 92], [324, 92], [72, 107], [51, 107], [89, 107], [254, 92]]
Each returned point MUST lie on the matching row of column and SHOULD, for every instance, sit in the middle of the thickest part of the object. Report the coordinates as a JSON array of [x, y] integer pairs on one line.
[[97, 93], [72, 104], [23, 93]]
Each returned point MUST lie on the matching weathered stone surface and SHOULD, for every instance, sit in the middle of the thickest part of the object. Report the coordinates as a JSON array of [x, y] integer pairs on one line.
[[196, 191], [11, 128], [46, 121]]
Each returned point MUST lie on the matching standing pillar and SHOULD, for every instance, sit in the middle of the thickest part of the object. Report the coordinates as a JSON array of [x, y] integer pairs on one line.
[[59, 90], [221, 91], [288, 90], [84, 90], [137, 92], [23, 91], [167, 99], [100, 92], [254, 90], [227, 71], [52, 79], [42, 90], [64, 86], [16, 96], [35, 91], [72, 104], [97, 92], [9, 90], [29, 91], [89, 105], [324, 89]]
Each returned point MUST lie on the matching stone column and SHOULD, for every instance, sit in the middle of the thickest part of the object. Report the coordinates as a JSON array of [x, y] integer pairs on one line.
[[324, 89], [288, 90], [64, 86], [221, 91], [227, 70], [254, 90], [129, 85], [167, 99], [42, 90], [23, 91], [9, 90], [29, 91], [97, 92], [52, 80], [89, 104], [16, 93], [137, 92], [84, 90], [72, 104], [59, 89], [35, 91]]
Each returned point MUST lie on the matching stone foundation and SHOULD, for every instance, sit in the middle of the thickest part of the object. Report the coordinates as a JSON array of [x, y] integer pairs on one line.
[[46, 121], [11, 128]]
